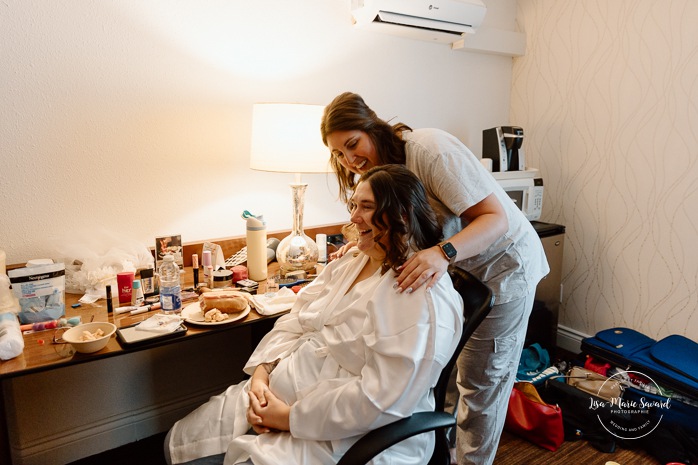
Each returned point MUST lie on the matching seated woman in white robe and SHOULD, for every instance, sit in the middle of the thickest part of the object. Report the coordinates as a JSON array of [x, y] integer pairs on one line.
[[352, 354]]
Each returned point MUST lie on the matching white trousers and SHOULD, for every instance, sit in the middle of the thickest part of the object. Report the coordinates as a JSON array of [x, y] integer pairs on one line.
[[486, 374]]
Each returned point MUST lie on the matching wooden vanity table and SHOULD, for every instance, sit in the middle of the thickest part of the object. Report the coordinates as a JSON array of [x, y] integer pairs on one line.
[[58, 406]]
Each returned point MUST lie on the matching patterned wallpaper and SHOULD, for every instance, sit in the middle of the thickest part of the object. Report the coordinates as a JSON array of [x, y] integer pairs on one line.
[[607, 94]]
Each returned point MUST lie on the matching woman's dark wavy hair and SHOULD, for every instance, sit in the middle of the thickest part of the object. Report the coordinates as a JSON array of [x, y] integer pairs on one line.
[[349, 112], [402, 212]]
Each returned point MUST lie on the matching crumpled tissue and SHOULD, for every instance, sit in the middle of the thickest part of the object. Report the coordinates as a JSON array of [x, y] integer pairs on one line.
[[160, 323], [93, 259]]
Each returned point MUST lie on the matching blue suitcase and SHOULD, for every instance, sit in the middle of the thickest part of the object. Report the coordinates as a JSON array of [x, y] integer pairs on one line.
[[671, 362]]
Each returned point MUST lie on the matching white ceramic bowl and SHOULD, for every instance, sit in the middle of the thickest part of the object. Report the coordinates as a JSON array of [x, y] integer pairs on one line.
[[74, 336]]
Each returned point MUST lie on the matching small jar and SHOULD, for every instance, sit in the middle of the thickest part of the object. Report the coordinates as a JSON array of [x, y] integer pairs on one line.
[[239, 273], [222, 278]]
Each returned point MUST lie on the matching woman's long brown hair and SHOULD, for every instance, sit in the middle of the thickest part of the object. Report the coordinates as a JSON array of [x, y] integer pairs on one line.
[[402, 212], [349, 112]]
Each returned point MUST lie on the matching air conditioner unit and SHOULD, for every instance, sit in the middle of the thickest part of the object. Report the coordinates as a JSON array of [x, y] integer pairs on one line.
[[443, 21]]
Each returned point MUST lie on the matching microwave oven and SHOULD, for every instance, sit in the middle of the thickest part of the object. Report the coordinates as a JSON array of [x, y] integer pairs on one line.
[[525, 188]]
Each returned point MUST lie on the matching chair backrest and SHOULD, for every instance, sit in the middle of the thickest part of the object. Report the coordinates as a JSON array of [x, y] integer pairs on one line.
[[477, 303]]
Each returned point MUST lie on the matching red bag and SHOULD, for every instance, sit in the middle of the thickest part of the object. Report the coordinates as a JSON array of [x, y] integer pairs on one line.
[[532, 419]]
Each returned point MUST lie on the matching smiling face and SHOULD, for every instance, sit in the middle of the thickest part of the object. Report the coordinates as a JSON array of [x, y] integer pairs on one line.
[[363, 206], [353, 149]]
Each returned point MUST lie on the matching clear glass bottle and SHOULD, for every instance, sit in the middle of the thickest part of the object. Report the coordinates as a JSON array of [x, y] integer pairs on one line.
[[170, 287]]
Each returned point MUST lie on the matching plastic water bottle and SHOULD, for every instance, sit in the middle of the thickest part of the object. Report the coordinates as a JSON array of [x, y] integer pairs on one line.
[[170, 288]]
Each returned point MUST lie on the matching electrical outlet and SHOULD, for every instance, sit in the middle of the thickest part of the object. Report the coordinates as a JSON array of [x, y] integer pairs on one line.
[[336, 239]]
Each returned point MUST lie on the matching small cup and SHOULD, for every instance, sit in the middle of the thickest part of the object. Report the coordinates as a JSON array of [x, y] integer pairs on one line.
[[124, 282], [272, 286]]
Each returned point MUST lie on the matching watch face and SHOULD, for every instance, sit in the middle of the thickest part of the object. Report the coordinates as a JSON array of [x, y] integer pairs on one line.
[[449, 250]]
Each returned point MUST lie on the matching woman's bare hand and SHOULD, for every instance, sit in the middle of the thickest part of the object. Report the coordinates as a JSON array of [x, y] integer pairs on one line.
[[424, 267], [342, 250], [275, 415], [259, 382], [253, 418]]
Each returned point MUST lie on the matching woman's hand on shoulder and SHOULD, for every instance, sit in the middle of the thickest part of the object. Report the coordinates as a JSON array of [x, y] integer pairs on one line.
[[423, 268], [342, 250]]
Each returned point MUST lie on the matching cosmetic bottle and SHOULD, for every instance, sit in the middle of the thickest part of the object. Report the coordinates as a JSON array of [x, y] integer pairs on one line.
[[137, 296]]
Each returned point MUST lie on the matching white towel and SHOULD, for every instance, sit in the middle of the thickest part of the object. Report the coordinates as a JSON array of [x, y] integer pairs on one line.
[[11, 340], [278, 302]]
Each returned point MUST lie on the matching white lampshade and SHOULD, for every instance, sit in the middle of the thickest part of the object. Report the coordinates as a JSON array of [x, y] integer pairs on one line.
[[286, 139]]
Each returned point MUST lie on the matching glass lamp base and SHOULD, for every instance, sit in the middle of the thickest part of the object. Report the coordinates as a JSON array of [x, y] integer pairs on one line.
[[297, 252]]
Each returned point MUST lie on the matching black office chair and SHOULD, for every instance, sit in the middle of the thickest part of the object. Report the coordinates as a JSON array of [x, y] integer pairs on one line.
[[477, 303]]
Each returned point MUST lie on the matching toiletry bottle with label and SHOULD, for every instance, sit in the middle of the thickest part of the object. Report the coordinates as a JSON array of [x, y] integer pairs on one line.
[[256, 248], [206, 261], [170, 288], [137, 296]]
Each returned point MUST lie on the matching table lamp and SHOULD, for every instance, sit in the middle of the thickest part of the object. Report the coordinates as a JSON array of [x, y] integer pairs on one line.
[[286, 139]]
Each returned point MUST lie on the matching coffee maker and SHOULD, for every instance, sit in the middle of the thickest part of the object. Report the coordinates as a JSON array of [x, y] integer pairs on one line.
[[504, 145]]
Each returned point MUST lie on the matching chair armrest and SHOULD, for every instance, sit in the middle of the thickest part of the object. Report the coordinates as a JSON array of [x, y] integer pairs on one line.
[[378, 440]]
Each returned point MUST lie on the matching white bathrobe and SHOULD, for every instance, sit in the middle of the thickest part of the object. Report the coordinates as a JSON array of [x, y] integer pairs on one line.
[[350, 362]]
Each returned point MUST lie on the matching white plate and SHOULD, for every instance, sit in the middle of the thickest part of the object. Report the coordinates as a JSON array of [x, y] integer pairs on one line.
[[192, 314]]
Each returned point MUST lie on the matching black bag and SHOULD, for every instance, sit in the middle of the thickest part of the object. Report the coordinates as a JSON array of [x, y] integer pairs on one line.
[[670, 441], [578, 420], [672, 444]]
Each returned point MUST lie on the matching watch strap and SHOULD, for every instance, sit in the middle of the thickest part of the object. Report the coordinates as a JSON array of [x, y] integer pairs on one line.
[[445, 247]]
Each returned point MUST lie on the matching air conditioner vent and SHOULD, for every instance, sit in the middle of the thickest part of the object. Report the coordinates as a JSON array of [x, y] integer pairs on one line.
[[422, 23]]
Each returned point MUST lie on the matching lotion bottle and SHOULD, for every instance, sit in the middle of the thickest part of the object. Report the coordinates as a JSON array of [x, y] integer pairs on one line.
[[137, 296], [256, 248], [207, 261]]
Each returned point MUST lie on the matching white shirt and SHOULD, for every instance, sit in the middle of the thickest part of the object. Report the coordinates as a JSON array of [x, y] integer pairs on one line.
[[455, 181]]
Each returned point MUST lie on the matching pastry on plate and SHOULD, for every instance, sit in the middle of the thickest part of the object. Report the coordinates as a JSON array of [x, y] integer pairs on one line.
[[230, 302]]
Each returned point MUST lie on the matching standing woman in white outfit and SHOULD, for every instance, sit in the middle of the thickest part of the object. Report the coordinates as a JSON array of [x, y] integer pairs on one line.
[[352, 355], [486, 234]]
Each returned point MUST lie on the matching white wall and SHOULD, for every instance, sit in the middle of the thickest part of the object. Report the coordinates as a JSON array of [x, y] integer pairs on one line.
[[608, 96], [134, 116]]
